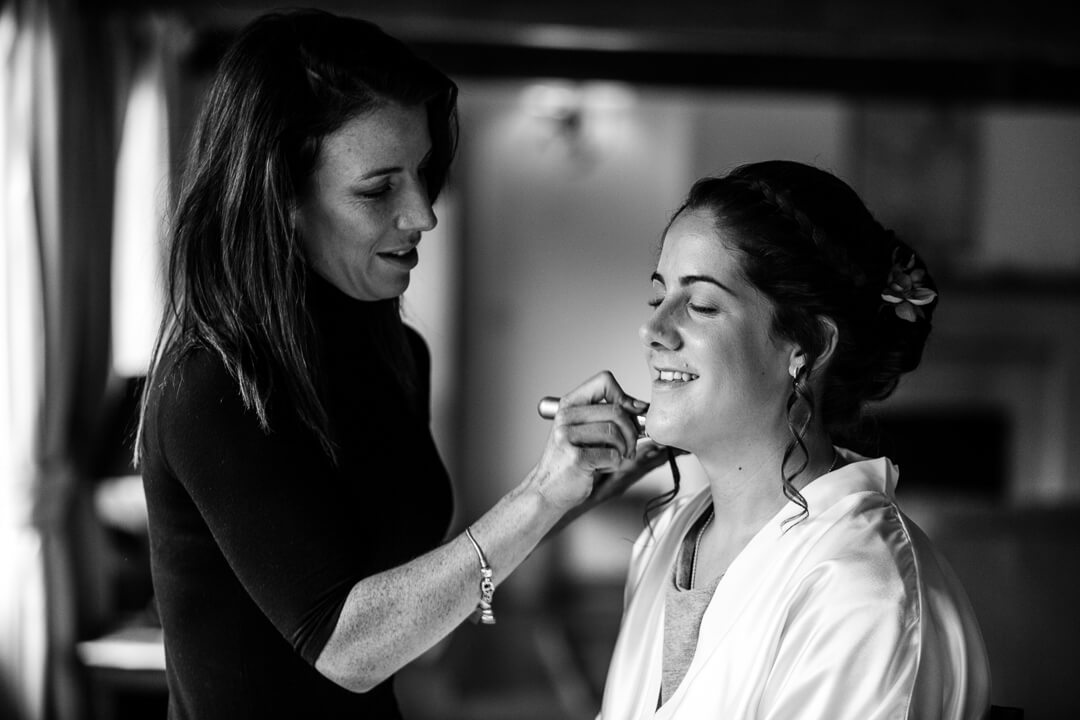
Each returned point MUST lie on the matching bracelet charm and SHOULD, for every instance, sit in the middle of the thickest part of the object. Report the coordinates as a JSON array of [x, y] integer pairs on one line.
[[483, 613]]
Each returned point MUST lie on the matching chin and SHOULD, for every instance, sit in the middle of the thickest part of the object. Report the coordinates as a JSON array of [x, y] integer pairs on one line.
[[664, 432], [394, 288], [384, 291]]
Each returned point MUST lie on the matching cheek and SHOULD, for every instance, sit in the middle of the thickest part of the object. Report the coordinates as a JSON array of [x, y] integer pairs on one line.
[[338, 236], [772, 384], [753, 369], [358, 229]]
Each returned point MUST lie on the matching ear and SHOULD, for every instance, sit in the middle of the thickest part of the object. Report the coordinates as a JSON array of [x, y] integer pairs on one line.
[[798, 360], [830, 335]]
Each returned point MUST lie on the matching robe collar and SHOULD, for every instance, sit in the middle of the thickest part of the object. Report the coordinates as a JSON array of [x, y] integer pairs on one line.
[[645, 612]]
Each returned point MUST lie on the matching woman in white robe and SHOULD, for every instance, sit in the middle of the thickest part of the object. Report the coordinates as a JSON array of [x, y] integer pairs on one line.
[[781, 308]]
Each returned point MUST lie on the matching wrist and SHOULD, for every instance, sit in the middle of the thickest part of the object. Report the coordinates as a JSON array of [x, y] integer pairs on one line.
[[549, 505]]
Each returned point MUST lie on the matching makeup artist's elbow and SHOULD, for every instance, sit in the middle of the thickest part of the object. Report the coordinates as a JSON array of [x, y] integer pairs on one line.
[[348, 674]]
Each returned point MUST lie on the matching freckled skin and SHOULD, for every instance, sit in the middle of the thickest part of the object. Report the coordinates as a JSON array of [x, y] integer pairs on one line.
[[367, 197]]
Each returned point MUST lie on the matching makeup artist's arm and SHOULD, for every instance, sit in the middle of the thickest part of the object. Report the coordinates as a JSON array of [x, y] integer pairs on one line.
[[391, 618]]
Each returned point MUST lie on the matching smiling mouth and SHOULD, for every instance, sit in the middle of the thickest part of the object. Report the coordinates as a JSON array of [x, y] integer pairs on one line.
[[675, 376], [405, 259]]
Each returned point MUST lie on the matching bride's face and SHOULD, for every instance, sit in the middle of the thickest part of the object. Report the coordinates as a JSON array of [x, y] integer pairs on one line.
[[718, 374]]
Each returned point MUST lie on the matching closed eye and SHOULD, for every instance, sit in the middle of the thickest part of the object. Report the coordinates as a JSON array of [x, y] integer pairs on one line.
[[375, 192]]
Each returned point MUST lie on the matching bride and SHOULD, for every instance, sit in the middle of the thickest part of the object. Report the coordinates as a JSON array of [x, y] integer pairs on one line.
[[792, 585]]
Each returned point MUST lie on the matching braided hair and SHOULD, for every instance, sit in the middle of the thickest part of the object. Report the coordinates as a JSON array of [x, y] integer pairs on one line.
[[808, 243]]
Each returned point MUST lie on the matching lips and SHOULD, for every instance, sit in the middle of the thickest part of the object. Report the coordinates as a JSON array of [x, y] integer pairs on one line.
[[406, 257]]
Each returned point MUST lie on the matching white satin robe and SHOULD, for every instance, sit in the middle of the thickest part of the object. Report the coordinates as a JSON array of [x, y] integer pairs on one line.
[[849, 615]]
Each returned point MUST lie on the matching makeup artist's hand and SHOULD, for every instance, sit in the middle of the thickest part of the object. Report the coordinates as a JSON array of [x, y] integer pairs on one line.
[[594, 432]]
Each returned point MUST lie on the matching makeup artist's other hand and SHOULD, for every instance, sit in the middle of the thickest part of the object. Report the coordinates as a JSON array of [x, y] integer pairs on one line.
[[612, 483], [594, 431]]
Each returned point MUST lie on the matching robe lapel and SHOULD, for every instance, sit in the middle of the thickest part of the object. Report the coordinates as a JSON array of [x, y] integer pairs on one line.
[[633, 684], [754, 564], [768, 554]]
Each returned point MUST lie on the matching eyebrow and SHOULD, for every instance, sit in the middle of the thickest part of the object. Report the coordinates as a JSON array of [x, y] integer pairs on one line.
[[691, 279], [391, 169], [378, 172]]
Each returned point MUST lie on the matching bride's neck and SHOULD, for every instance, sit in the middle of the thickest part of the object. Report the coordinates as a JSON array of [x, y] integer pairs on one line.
[[745, 480]]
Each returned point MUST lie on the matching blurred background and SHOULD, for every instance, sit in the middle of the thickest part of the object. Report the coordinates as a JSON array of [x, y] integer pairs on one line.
[[583, 123]]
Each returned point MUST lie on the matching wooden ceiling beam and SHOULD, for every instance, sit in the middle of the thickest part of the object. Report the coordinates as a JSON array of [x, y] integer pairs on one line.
[[988, 50]]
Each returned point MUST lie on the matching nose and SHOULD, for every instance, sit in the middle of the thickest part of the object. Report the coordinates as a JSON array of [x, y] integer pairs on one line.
[[659, 331], [416, 213]]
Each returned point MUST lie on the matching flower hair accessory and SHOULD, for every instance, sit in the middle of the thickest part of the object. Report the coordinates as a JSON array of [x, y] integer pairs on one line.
[[905, 290]]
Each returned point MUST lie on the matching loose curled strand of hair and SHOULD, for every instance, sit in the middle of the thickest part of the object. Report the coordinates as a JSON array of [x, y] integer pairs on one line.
[[800, 392], [657, 503]]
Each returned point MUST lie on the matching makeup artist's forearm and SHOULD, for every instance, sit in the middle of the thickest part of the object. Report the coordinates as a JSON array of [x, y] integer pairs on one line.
[[392, 618]]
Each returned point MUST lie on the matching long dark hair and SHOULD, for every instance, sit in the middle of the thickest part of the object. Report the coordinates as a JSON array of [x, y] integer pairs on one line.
[[236, 275], [809, 244]]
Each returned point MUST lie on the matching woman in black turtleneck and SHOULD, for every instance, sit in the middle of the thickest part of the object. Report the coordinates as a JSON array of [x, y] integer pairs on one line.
[[298, 506]]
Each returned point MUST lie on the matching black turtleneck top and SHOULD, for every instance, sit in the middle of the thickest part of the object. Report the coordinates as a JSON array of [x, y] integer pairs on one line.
[[257, 538]]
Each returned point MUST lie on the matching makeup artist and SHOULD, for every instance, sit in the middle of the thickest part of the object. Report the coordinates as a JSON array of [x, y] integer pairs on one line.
[[298, 507]]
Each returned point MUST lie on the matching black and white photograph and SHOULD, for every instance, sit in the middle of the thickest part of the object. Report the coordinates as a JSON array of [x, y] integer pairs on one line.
[[539, 360]]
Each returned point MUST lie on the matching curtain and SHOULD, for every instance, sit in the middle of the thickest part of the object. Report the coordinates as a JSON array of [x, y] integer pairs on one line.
[[92, 60], [28, 135], [58, 120]]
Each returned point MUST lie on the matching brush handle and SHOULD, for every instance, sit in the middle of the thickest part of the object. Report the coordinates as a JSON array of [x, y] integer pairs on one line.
[[548, 406]]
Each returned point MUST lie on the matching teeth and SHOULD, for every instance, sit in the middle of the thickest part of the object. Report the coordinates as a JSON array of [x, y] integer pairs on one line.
[[676, 376]]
